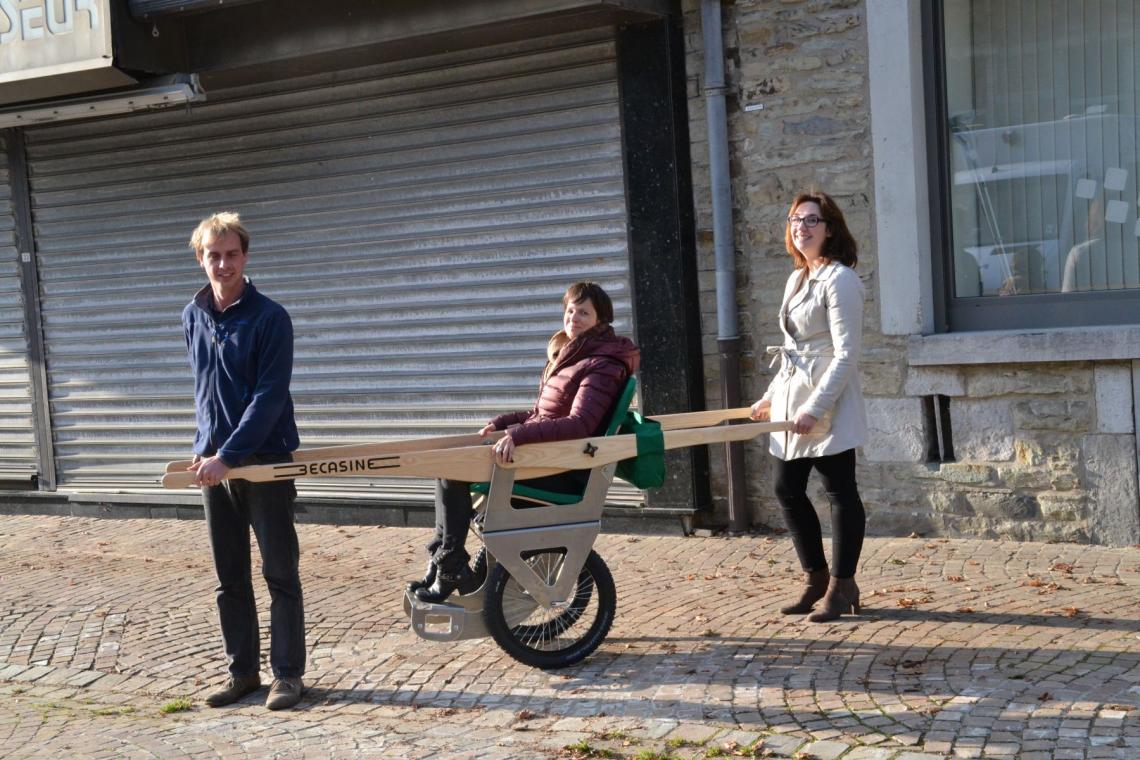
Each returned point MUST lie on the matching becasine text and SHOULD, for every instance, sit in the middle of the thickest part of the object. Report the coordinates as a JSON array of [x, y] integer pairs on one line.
[[36, 19], [334, 467]]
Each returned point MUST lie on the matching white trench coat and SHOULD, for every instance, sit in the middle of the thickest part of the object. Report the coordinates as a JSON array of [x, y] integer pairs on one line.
[[819, 368]]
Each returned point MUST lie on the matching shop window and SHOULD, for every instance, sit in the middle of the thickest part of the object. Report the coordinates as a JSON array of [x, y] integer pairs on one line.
[[1033, 111]]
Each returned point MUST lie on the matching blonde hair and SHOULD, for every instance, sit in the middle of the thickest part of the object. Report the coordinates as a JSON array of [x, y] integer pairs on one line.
[[217, 225]]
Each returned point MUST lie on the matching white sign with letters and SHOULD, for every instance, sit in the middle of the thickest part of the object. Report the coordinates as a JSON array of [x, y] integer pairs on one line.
[[42, 38]]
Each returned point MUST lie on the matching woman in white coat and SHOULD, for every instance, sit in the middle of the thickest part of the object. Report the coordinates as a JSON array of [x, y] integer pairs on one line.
[[821, 317]]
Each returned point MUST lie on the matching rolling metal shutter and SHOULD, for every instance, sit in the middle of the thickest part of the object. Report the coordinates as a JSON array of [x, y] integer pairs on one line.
[[17, 436], [419, 220]]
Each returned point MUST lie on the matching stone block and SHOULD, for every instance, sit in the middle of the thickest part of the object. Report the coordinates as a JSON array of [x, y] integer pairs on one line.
[[1110, 470], [881, 377], [1064, 480], [1005, 505], [896, 430], [819, 126], [967, 473], [885, 521], [1113, 387], [1053, 414], [949, 503], [983, 382], [1052, 451], [1024, 478], [927, 381], [983, 429], [1056, 507]]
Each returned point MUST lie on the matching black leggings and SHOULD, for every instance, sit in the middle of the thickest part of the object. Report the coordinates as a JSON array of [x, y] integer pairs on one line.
[[848, 520], [453, 510]]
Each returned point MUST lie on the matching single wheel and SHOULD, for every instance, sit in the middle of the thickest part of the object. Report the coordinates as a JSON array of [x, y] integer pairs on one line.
[[557, 637]]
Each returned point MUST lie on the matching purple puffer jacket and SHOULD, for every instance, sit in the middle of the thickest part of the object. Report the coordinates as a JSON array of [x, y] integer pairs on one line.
[[578, 391]]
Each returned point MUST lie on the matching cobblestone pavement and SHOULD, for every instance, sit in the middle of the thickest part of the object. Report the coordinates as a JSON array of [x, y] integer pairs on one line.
[[964, 649]]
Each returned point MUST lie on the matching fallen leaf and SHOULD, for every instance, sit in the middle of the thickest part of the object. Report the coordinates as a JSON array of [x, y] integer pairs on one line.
[[909, 602]]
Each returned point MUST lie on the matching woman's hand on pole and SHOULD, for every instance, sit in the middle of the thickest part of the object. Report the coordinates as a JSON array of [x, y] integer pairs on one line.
[[487, 430], [762, 410], [803, 423], [504, 450]]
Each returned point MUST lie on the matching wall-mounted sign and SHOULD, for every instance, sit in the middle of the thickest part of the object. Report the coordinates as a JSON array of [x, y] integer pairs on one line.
[[50, 48]]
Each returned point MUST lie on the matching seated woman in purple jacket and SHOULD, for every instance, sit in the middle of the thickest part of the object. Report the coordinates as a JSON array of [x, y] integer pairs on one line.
[[586, 370]]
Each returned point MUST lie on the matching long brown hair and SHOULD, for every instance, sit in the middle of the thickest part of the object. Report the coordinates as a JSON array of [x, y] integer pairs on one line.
[[838, 246]]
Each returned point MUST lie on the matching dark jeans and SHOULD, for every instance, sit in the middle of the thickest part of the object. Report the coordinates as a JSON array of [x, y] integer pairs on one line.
[[453, 510], [848, 520], [231, 509]]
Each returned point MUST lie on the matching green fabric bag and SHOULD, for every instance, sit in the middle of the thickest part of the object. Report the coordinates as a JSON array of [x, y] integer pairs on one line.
[[647, 469]]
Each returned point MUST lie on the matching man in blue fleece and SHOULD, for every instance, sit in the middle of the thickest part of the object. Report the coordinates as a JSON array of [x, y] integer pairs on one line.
[[241, 350]]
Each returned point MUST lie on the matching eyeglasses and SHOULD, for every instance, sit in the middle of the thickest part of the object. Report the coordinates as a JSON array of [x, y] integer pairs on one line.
[[806, 221]]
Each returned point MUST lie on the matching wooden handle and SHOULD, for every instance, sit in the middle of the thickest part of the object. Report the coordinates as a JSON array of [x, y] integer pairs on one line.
[[585, 454], [701, 419], [474, 463], [369, 449], [468, 463]]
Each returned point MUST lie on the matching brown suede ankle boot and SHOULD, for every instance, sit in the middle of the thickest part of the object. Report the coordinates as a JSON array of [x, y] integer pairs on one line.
[[841, 598], [815, 585]]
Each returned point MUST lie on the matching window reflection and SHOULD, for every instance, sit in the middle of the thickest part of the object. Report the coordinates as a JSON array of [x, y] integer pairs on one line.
[[1042, 103]]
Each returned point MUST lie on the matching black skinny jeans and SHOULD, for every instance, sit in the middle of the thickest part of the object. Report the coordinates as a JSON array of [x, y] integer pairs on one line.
[[848, 520], [453, 510], [231, 509]]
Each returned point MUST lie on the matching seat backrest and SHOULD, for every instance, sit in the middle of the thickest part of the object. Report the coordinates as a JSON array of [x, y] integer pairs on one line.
[[621, 406]]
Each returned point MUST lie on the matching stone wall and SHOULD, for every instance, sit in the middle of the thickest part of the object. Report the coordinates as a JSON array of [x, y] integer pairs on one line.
[[1042, 451], [797, 117]]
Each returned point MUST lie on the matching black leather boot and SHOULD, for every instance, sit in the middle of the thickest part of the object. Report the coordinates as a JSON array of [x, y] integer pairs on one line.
[[842, 598], [427, 580], [446, 584], [815, 586]]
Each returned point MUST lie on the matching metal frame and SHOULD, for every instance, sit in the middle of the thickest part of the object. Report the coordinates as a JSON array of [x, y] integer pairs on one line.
[[30, 290], [509, 533]]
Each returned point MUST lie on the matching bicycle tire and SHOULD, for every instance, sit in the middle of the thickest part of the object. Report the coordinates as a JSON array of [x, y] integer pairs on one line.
[[551, 638]]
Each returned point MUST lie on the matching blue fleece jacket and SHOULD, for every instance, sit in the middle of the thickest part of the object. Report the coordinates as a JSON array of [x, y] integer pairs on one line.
[[242, 360]]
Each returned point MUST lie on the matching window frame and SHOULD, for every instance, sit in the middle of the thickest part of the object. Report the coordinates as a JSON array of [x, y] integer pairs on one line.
[[957, 314]]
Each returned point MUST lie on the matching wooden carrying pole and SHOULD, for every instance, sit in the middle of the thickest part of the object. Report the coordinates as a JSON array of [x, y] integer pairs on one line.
[[668, 422], [475, 463]]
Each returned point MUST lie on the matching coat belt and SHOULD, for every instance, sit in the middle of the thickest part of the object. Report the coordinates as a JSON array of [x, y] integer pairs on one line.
[[787, 355]]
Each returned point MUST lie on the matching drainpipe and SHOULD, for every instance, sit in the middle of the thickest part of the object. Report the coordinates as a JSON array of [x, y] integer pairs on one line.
[[728, 334]]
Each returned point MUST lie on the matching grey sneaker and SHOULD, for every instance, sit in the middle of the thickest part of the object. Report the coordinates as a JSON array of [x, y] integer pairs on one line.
[[235, 688], [285, 692]]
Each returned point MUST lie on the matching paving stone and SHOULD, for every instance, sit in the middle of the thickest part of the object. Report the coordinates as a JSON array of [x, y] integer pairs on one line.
[[870, 753], [781, 745], [825, 750]]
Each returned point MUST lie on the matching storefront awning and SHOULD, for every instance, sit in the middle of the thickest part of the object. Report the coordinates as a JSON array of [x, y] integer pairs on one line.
[[147, 10]]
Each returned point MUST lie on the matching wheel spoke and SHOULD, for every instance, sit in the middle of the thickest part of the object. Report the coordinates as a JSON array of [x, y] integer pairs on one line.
[[556, 636]]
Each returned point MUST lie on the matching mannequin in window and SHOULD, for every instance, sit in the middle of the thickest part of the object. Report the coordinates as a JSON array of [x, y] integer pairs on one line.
[[1078, 263]]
